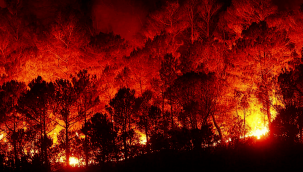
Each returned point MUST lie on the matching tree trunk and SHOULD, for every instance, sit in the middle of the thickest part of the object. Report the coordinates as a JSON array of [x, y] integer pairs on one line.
[[41, 141], [130, 138], [300, 130], [218, 128], [67, 142], [124, 140], [146, 135], [85, 147], [171, 114], [163, 113], [15, 146], [244, 123], [85, 141], [45, 141], [268, 109]]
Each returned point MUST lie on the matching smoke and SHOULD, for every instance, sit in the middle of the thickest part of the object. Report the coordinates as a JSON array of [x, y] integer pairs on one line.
[[288, 5], [2, 4], [122, 17]]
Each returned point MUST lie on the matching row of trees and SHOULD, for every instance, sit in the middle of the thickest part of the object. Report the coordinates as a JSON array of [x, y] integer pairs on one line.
[[192, 65], [31, 114], [288, 125], [245, 44]]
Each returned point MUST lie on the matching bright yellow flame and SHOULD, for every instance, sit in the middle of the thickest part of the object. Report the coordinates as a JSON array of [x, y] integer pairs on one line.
[[1, 136], [73, 161], [256, 119], [142, 138], [259, 132]]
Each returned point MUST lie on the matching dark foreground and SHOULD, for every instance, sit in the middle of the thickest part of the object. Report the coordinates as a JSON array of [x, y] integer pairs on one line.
[[253, 155]]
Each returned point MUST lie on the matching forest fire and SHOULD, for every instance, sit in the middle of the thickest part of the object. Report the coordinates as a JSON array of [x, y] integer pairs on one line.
[[73, 161], [142, 138], [259, 132], [93, 83]]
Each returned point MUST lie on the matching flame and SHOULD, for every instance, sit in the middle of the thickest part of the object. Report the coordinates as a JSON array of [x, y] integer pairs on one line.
[[73, 161], [142, 138], [259, 132], [256, 119]]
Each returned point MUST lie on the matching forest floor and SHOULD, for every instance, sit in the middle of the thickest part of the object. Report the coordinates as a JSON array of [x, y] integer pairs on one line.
[[257, 156]]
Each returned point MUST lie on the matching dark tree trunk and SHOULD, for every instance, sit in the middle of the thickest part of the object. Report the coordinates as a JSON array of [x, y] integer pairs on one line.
[[146, 134], [218, 128], [86, 150], [16, 164], [124, 140], [85, 143], [268, 109], [244, 123], [67, 151], [45, 142], [171, 114]]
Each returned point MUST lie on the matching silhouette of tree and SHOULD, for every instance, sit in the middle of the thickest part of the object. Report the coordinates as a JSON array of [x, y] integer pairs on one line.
[[12, 120], [287, 124], [143, 118], [291, 89], [180, 139], [159, 142], [85, 87], [149, 117], [242, 13], [196, 96], [208, 10], [170, 21], [124, 107], [168, 73], [102, 137], [65, 97], [36, 105], [259, 60]]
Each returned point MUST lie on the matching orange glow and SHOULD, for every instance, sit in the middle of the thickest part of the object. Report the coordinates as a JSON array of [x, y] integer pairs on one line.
[[256, 119], [142, 138], [73, 161], [259, 132]]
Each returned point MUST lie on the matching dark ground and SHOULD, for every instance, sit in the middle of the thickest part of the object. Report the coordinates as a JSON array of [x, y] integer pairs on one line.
[[257, 156]]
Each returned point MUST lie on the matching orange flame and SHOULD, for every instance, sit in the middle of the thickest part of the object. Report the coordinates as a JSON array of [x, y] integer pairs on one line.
[[257, 120]]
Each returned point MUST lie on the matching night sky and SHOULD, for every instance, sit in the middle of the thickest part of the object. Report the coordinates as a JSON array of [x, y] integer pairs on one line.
[[122, 17]]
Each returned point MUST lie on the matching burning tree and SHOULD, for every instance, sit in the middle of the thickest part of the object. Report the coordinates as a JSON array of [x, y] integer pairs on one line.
[[12, 121], [85, 87], [36, 104], [198, 100], [65, 98], [101, 136], [124, 107]]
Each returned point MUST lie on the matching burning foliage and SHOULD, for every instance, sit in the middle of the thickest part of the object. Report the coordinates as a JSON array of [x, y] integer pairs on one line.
[[80, 88]]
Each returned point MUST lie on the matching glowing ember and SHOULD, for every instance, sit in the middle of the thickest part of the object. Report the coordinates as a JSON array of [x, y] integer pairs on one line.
[[1, 136], [73, 161]]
